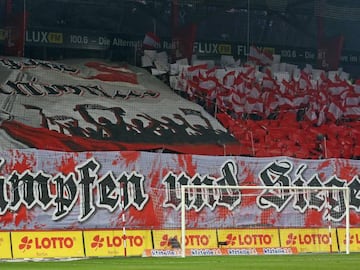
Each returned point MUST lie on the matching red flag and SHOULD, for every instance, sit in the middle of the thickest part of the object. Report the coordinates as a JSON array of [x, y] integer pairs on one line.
[[184, 38], [15, 27], [329, 52], [229, 78], [260, 57], [334, 111], [151, 41]]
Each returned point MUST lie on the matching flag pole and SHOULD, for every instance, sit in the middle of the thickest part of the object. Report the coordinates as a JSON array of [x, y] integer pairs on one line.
[[252, 143], [24, 28], [122, 206], [248, 31], [325, 147]]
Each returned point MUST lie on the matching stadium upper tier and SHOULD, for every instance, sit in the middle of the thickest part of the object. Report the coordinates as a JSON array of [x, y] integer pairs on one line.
[[93, 105]]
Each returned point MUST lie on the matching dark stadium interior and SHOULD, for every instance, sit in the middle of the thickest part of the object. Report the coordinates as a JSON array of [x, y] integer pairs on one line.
[[273, 22]]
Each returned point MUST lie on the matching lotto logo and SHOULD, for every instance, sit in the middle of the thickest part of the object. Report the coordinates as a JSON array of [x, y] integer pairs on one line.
[[354, 239], [27, 243], [116, 241], [307, 239], [249, 239]]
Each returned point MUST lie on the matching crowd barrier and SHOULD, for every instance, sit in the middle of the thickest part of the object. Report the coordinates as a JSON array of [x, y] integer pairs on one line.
[[112, 243]]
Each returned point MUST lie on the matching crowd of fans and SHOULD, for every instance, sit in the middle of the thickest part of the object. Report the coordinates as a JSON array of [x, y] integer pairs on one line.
[[277, 110]]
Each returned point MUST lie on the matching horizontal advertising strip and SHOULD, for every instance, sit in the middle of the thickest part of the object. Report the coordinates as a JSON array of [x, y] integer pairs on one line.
[[166, 243], [47, 244], [5, 245], [116, 243]]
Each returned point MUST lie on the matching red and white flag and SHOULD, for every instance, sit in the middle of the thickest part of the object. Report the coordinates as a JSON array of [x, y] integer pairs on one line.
[[260, 57], [334, 111], [151, 41]]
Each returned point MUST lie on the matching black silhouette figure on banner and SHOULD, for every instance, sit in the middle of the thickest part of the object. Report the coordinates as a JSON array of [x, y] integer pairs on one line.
[[144, 128]]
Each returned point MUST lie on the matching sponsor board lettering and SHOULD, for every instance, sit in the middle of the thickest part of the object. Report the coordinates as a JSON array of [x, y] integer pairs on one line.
[[354, 239], [308, 239], [278, 250], [220, 251], [208, 48], [165, 253], [46, 243], [205, 252], [116, 241], [119, 42], [190, 240], [241, 50], [255, 239], [242, 251], [44, 37], [248, 239]]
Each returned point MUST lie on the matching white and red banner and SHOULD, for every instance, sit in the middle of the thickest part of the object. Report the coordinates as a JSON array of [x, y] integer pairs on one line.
[[84, 190], [87, 105]]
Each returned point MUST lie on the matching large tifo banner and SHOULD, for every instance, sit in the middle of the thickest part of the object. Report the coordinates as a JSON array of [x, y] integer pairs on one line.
[[42, 190], [94, 105]]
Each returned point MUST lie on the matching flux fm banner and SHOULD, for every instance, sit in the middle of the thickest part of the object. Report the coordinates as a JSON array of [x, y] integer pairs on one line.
[[66, 190]]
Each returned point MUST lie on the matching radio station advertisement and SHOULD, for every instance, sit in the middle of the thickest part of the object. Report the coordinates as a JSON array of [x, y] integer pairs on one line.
[[44, 38], [116, 243], [5, 245], [310, 239], [47, 244], [103, 41], [196, 239], [248, 238]]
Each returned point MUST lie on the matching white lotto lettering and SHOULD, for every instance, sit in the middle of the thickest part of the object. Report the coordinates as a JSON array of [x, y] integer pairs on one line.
[[117, 241], [254, 239]]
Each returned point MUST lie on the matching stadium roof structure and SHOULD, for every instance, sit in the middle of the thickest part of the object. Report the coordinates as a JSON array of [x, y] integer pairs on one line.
[[217, 19], [110, 14]]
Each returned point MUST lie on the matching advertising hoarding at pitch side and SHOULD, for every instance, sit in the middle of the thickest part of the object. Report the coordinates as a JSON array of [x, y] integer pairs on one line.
[[112, 243], [47, 244]]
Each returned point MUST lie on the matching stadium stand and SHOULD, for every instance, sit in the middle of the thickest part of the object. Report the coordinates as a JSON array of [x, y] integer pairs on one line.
[[179, 127]]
